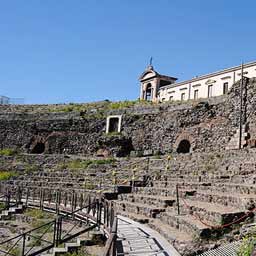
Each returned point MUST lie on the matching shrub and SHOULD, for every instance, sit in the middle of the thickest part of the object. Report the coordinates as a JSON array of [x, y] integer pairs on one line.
[[5, 175], [247, 247], [8, 152]]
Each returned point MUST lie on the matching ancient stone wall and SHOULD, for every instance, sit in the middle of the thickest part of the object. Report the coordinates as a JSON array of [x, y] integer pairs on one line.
[[146, 129]]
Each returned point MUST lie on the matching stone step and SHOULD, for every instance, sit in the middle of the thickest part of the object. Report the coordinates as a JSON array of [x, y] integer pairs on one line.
[[240, 188], [178, 238], [186, 223], [158, 201], [164, 192], [214, 213], [241, 201], [138, 208]]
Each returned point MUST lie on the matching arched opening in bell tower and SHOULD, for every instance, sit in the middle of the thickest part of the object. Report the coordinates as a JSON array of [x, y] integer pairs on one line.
[[148, 92]]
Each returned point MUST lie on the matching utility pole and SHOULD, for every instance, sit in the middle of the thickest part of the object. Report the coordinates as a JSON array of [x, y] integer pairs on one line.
[[241, 106]]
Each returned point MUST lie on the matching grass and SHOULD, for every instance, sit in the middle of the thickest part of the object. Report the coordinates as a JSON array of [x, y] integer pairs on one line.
[[79, 253], [5, 175], [37, 214], [30, 168], [2, 206], [40, 218], [8, 152], [84, 164], [97, 107]]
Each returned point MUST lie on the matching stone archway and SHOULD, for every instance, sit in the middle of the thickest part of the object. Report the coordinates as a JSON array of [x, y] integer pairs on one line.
[[148, 92], [183, 143], [37, 145], [184, 147]]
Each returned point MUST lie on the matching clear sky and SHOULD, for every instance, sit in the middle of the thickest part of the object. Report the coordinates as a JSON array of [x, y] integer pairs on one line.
[[86, 50]]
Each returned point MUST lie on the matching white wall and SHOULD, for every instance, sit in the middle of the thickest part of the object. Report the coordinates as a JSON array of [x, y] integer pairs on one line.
[[201, 84]]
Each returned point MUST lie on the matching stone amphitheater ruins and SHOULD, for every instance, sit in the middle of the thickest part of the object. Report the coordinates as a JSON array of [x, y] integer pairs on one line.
[[130, 178]]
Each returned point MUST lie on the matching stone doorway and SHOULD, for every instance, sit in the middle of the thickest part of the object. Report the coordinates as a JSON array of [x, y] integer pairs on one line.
[[113, 124], [184, 147]]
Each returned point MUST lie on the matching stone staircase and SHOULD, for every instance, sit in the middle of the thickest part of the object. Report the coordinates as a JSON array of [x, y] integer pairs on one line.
[[208, 202], [6, 214], [68, 247]]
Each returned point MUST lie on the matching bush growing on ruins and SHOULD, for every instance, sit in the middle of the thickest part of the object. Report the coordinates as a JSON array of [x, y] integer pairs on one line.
[[5, 175], [29, 168], [247, 246], [8, 152]]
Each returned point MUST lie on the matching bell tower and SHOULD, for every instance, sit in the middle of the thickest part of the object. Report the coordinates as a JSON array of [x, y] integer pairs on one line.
[[151, 82]]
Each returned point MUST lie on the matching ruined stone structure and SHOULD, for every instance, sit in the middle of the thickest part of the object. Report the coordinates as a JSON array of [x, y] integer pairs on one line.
[[211, 124], [192, 198]]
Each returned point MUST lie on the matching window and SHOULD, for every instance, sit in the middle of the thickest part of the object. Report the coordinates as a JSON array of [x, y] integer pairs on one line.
[[225, 88], [195, 94], [182, 96], [210, 91]]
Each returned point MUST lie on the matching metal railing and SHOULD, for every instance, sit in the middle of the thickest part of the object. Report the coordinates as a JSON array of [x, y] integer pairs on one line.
[[97, 213], [110, 248]]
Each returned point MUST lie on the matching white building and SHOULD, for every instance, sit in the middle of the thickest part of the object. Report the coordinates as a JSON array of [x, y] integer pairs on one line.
[[159, 88], [4, 100]]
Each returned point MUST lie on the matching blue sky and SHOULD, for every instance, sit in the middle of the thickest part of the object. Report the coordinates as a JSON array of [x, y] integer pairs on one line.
[[88, 50]]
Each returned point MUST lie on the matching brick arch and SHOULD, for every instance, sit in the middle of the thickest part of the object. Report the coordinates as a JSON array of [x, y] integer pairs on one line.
[[181, 138]]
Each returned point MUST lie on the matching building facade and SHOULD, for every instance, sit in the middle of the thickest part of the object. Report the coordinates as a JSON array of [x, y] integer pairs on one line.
[[4, 100], [160, 88]]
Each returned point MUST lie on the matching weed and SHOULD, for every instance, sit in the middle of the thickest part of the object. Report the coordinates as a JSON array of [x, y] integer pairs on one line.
[[5, 175], [8, 152]]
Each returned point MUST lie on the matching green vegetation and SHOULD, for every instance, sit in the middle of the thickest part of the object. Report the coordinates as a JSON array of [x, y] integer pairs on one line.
[[98, 107], [84, 164], [8, 152], [14, 251], [37, 214], [2, 206], [80, 252], [89, 185], [30, 168], [5, 175], [247, 247], [40, 218], [112, 134]]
